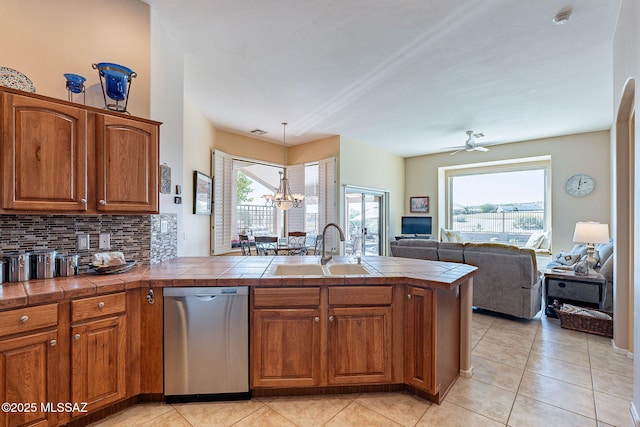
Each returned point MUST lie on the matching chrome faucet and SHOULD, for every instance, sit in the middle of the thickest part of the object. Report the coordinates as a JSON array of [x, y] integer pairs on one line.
[[326, 258]]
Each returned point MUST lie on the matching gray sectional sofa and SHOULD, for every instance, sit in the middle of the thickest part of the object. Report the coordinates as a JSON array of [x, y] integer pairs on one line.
[[507, 280]]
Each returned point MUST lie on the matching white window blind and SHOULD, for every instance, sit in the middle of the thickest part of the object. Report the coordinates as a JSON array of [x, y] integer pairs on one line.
[[327, 198], [222, 202], [296, 216]]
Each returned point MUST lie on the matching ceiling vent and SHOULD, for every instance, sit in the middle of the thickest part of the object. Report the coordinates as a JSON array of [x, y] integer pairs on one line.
[[258, 132]]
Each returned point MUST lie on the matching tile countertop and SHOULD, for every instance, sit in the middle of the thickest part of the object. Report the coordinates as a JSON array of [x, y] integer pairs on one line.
[[232, 271]]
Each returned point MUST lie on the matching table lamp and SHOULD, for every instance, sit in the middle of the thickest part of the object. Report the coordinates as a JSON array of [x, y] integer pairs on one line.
[[591, 233]]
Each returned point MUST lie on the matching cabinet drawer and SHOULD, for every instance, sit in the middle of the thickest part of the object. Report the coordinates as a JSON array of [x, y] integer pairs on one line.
[[360, 295], [103, 305], [28, 319], [286, 297], [578, 291]]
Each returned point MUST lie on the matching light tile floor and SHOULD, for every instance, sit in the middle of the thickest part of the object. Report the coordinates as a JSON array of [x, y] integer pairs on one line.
[[526, 373]]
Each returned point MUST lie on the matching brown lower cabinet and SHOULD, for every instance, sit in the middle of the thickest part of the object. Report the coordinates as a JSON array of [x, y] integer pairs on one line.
[[29, 354], [104, 349], [98, 350], [305, 337]]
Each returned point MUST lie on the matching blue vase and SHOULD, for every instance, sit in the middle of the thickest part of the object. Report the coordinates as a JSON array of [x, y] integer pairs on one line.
[[116, 84], [75, 84]]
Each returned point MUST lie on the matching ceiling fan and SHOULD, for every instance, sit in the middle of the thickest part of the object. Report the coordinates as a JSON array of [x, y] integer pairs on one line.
[[470, 143]]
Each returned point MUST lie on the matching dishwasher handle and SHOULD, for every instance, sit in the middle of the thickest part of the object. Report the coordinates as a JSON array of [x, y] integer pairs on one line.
[[205, 298]]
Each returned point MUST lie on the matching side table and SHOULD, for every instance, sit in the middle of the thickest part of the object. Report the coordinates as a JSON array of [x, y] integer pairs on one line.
[[566, 286]]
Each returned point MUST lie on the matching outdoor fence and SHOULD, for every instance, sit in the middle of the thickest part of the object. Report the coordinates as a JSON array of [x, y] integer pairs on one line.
[[514, 227]]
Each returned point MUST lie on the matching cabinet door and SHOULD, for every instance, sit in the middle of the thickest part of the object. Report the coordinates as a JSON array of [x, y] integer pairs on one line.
[[127, 165], [359, 345], [419, 339], [98, 355], [27, 370], [44, 156], [285, 348]]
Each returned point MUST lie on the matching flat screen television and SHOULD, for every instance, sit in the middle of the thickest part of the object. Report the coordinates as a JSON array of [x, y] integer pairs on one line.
[[416, 225]]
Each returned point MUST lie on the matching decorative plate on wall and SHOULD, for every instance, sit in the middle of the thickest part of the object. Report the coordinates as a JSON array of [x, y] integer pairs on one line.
[[15, 80]]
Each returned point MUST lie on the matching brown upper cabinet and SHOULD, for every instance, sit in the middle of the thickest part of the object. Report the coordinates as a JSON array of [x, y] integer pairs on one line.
[[62, 157]]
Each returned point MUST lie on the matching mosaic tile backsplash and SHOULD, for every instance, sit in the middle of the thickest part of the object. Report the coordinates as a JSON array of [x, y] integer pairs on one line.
[[139, 237]]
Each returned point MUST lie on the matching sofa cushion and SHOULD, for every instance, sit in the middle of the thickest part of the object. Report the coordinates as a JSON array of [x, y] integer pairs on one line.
[[451, 252], [415, 248], [604, 250]]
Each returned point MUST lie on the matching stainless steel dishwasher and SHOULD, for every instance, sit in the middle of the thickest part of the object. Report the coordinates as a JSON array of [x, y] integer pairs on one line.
[[206, 343]]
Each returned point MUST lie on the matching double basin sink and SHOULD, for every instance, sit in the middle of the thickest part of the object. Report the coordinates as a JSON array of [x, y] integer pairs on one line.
[[318, 270]]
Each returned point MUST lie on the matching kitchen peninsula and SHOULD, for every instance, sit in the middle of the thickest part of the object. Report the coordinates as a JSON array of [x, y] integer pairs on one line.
[[406, 324]]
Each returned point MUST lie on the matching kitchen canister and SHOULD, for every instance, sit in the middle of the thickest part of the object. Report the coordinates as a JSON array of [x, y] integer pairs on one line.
[[67, 265], [43, 264], [18, 266]]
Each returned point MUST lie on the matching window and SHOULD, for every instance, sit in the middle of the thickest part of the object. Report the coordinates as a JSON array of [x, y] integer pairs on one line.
[[239, 206], [503, 203]]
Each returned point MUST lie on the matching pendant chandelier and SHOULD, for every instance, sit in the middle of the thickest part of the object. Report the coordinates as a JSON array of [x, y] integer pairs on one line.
[[283, 198]]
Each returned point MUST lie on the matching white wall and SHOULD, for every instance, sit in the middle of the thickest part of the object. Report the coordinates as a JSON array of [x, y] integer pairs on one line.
[[167, 106], [584, 153], [362, 165]]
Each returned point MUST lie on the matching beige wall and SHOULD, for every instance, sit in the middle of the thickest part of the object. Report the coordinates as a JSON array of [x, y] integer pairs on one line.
[[199, 142], [583, 153], [45, 39], [365, 166], [313, 151], [167, 106], [626, 66]]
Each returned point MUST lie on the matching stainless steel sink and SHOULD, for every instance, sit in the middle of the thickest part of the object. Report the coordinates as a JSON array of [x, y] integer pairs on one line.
[[346, 269], [297, 270], [318, 270]]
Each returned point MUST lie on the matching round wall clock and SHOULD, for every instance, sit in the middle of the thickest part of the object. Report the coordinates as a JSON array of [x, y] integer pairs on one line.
[[579, 185]]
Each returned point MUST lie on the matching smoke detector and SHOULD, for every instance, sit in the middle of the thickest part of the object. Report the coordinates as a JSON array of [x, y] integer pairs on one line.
[[562, 16]]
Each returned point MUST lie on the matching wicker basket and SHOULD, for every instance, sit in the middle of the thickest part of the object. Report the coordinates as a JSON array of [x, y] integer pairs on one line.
[[580, 322]]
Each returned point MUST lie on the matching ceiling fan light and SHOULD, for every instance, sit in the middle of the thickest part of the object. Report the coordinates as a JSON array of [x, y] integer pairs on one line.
[[562, 16]]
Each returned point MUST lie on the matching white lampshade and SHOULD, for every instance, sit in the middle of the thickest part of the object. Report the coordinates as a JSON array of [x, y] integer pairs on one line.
[[591, 232]]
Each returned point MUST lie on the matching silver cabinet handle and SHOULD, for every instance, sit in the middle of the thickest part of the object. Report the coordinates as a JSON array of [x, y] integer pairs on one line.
[[83, 201], [408, 296], [102, 202], [53, 343], [76, 337], [316, 319], [101, 304], [331, 318], [23, 319]]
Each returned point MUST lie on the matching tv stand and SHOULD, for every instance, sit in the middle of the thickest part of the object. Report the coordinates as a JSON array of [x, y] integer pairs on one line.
[[415, 236]]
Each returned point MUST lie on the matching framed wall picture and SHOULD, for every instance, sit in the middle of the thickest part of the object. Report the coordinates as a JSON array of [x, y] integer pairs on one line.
[[419, 204], [202, 188]]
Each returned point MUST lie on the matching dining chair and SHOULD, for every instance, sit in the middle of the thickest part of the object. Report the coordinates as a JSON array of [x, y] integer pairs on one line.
[[317, 247], [296, 242], [245, 245], [266, 245]]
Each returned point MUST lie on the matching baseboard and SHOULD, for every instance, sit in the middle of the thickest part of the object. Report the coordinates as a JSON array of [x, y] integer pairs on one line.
[[634, 415], [622, 351], [468, 373]]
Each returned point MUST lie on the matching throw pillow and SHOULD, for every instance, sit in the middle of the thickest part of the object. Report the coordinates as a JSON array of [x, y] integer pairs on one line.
[[455, 236], [534, 241], [565, 258], [546, 240]]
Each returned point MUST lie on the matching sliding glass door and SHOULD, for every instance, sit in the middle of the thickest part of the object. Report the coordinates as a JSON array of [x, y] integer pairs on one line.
[[364, 218]]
